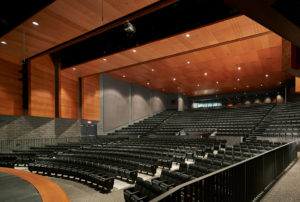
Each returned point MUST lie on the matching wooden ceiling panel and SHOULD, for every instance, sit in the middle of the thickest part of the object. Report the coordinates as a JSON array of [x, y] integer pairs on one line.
[[64, 20], [226, 31], [257, 57]]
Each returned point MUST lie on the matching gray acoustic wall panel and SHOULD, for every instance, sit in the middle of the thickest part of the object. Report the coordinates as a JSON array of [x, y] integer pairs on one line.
[[140, 102], [116, 102], [159, 102], [124, 103]]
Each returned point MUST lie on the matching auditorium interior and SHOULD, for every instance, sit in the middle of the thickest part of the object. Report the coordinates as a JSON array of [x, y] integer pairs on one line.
[[149, 100]]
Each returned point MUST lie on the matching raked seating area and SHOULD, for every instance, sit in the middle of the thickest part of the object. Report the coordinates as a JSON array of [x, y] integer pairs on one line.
[[284, 121]]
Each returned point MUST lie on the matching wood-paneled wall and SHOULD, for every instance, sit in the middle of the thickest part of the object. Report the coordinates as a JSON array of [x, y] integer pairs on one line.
[[42, 93], [91, 98], [10, 88], [68, 96]]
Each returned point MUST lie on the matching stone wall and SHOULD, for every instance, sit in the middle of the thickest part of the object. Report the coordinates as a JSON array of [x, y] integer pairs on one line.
[[27, 127]]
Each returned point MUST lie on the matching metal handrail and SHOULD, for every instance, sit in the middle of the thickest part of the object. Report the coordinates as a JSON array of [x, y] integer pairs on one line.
[[168, 193]]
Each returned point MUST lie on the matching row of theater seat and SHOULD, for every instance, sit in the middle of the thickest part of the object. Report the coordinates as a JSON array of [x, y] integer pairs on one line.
[[146, 163], [283, 121], [145, 126], [145, 190], [83, 171], [237, 121]]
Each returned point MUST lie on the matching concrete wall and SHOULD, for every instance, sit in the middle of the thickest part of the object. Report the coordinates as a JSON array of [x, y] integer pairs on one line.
[[26, 127], [124, 103]]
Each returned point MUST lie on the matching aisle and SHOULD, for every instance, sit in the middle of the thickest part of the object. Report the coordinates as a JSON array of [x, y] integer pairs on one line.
[[287, 187]]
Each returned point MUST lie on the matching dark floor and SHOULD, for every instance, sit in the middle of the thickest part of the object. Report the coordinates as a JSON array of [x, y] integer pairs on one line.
[[14, 189]]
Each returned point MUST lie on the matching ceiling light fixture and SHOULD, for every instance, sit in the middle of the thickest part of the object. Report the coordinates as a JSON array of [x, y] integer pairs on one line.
[[134, 50], [104, 59], [238, 79], [123, 76], [152, 70], [247, 86], [280, 82], [188, 62], [174, 79], [234, 88], [261, 84], [239, 68], [3, 42], [129, 28], [217, 82], [267, 75], [198, 84], [205, 73], [35, 23], [148, 83], [187, 35], [73, 68]]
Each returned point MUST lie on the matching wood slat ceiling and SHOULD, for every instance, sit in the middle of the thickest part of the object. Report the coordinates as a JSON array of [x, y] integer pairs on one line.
[[221, 32], [61, 21], [257, 57], [217, 49]]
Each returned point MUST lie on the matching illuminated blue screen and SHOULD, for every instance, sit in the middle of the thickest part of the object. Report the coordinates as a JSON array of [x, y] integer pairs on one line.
[[206, 105]]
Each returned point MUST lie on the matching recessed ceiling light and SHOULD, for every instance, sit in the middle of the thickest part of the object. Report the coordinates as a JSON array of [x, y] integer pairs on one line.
[[280, 82], [261, 84], [234, 88], [247, 86], [174, 79], [148, 83], [187, 35], [3, 42], [188, 62], [134, 50], [123, 76], [152, 70], [217, 82], [267, 75], [104, 59], [198, 84], [205, 73], [73, 68], [238, 79], [35, 23], [239, 68]]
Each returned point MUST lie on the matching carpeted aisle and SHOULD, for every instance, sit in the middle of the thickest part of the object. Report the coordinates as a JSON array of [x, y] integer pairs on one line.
[[287, 187]]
